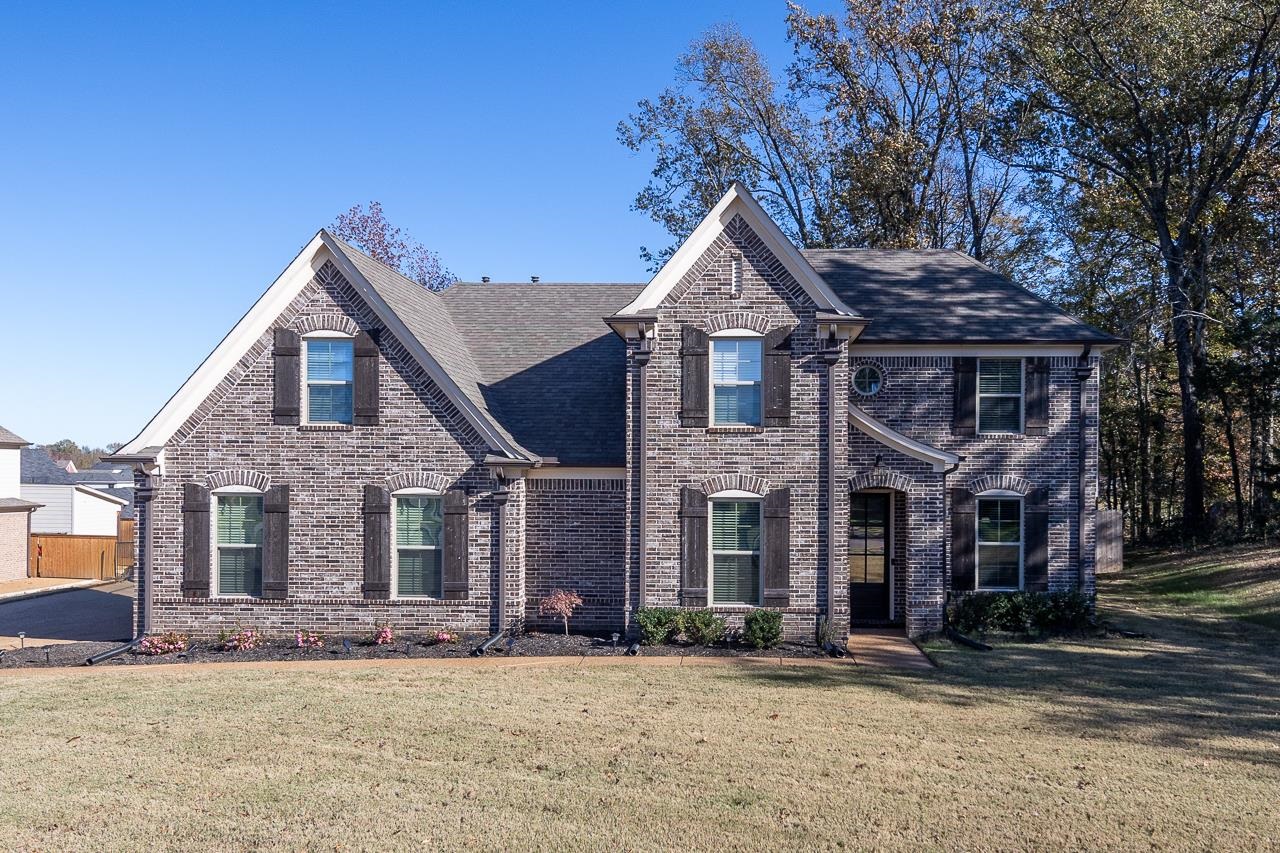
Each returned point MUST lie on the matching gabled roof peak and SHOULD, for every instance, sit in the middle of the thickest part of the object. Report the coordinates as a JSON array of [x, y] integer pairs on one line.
[[737, 201]]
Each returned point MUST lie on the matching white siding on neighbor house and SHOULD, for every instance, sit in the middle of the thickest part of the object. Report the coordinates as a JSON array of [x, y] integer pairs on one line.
[[68, 509], [10, 465], [92, 515], [55, 515]]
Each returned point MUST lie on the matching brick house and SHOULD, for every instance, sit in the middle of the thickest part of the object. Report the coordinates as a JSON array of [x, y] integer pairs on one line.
[[843, 434]]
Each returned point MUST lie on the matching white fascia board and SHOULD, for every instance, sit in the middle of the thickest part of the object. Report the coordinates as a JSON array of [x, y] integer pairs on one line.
[[97, 494], [737, 201], [557, 472], [230, 349], [889, 437], [978, 350], [438, 375]]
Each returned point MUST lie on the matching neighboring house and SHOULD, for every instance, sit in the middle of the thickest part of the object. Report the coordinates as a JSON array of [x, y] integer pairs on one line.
[[15, 512], [67, 506], [114, 479], [842, 434]]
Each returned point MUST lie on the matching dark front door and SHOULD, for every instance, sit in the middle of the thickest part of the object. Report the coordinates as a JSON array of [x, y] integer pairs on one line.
[[869, 557]]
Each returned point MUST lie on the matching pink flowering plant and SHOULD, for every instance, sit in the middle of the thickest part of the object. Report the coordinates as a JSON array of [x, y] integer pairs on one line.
[[444, 636], [163, 644], [242, 640], [560, 603], [308, 640], [382, 635]]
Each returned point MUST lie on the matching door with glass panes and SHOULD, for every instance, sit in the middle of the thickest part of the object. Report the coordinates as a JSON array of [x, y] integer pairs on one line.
[[869, 557]]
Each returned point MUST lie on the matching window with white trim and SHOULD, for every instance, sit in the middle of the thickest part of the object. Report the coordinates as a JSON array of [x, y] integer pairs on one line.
[[419, 536], [238, 543], [735, 551], [735, 381], [328, 385], [999, 543], [1000, 395]]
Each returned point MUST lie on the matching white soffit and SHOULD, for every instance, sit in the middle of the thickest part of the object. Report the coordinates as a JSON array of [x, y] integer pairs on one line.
[[737, 201], [891, 438]]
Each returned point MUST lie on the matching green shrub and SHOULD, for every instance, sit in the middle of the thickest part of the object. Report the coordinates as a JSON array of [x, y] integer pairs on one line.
[[762, 629], [1026, 613], [702, 627], [658, 625]]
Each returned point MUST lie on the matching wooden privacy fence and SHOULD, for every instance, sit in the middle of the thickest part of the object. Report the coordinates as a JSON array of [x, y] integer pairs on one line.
[[124, 543], [1110, 540], [61, 555]]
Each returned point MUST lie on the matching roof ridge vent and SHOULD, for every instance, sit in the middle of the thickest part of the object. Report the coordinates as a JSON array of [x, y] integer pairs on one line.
[[534, 279], [484, 279]]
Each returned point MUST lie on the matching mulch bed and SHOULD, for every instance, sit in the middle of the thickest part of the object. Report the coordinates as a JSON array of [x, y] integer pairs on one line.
[[531, 644]]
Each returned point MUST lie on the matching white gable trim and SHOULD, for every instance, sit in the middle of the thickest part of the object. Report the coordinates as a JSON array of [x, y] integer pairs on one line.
[[889, 437], [259, 318], [736, 202]]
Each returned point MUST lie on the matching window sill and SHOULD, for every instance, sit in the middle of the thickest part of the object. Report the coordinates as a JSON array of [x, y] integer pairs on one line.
[[735, 430], [325, 428], [982, 434]]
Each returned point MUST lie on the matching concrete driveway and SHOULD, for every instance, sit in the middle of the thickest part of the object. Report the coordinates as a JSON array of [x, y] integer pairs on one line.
[[99, 614]]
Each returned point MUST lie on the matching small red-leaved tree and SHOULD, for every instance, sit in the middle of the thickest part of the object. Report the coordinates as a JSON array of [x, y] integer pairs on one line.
[[369, 231], [560, 603]]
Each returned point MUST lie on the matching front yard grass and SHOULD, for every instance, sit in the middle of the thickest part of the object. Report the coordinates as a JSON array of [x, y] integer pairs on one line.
[[1172, 741]]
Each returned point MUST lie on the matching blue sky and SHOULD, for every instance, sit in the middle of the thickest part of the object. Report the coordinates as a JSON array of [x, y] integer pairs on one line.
[[162, 163]]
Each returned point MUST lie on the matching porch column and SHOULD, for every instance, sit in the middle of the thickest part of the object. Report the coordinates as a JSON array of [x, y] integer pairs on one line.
[[926, 555]]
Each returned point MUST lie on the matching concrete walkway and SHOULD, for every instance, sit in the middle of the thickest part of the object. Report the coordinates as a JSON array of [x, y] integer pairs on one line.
[[886, 647]]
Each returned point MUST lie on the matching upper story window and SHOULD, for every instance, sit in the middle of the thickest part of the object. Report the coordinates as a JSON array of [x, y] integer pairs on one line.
[[735, 551], [1000, 395], [999, 543], [238, 540], [867, 380], [419, 537], [735, 381], [327, 389]]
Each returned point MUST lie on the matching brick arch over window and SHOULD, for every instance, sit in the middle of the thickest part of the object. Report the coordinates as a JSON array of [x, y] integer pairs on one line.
[[418, 480], [739, 482], [881, 480], [252, 479], [326, 323], [738, 320], [1001, 482]]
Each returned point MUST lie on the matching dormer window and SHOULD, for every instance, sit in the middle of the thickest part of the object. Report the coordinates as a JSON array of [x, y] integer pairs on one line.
[[735, 381], [327, 389]]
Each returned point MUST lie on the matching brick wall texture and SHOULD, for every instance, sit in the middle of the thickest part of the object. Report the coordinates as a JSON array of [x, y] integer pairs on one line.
[[583, 534], [13, 545]]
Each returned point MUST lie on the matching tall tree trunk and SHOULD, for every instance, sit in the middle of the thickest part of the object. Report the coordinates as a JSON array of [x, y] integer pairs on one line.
[[1188, 341], [1229, 424]]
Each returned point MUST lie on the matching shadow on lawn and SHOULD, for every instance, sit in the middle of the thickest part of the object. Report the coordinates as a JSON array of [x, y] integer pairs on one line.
[[1182, 688]]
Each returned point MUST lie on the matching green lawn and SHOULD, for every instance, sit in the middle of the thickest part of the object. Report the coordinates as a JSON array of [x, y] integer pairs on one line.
[[1172, 741], [1237, 583]]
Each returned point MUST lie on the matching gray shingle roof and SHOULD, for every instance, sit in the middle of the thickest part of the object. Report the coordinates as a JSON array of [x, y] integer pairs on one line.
[[941, 296], [9, 439], [553, 372], [539, 362], [37, 466]]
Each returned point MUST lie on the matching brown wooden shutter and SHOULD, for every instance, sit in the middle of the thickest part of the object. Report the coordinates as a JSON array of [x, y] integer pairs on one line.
[[365, 381], [195, 540], [457, 543], [776, 377], [964, 391], [693, 539], [1037, 399], [377, 542], [1035, 539], [287, 351], [964, 545], [695, 373], [275, 543], [777, 544]]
